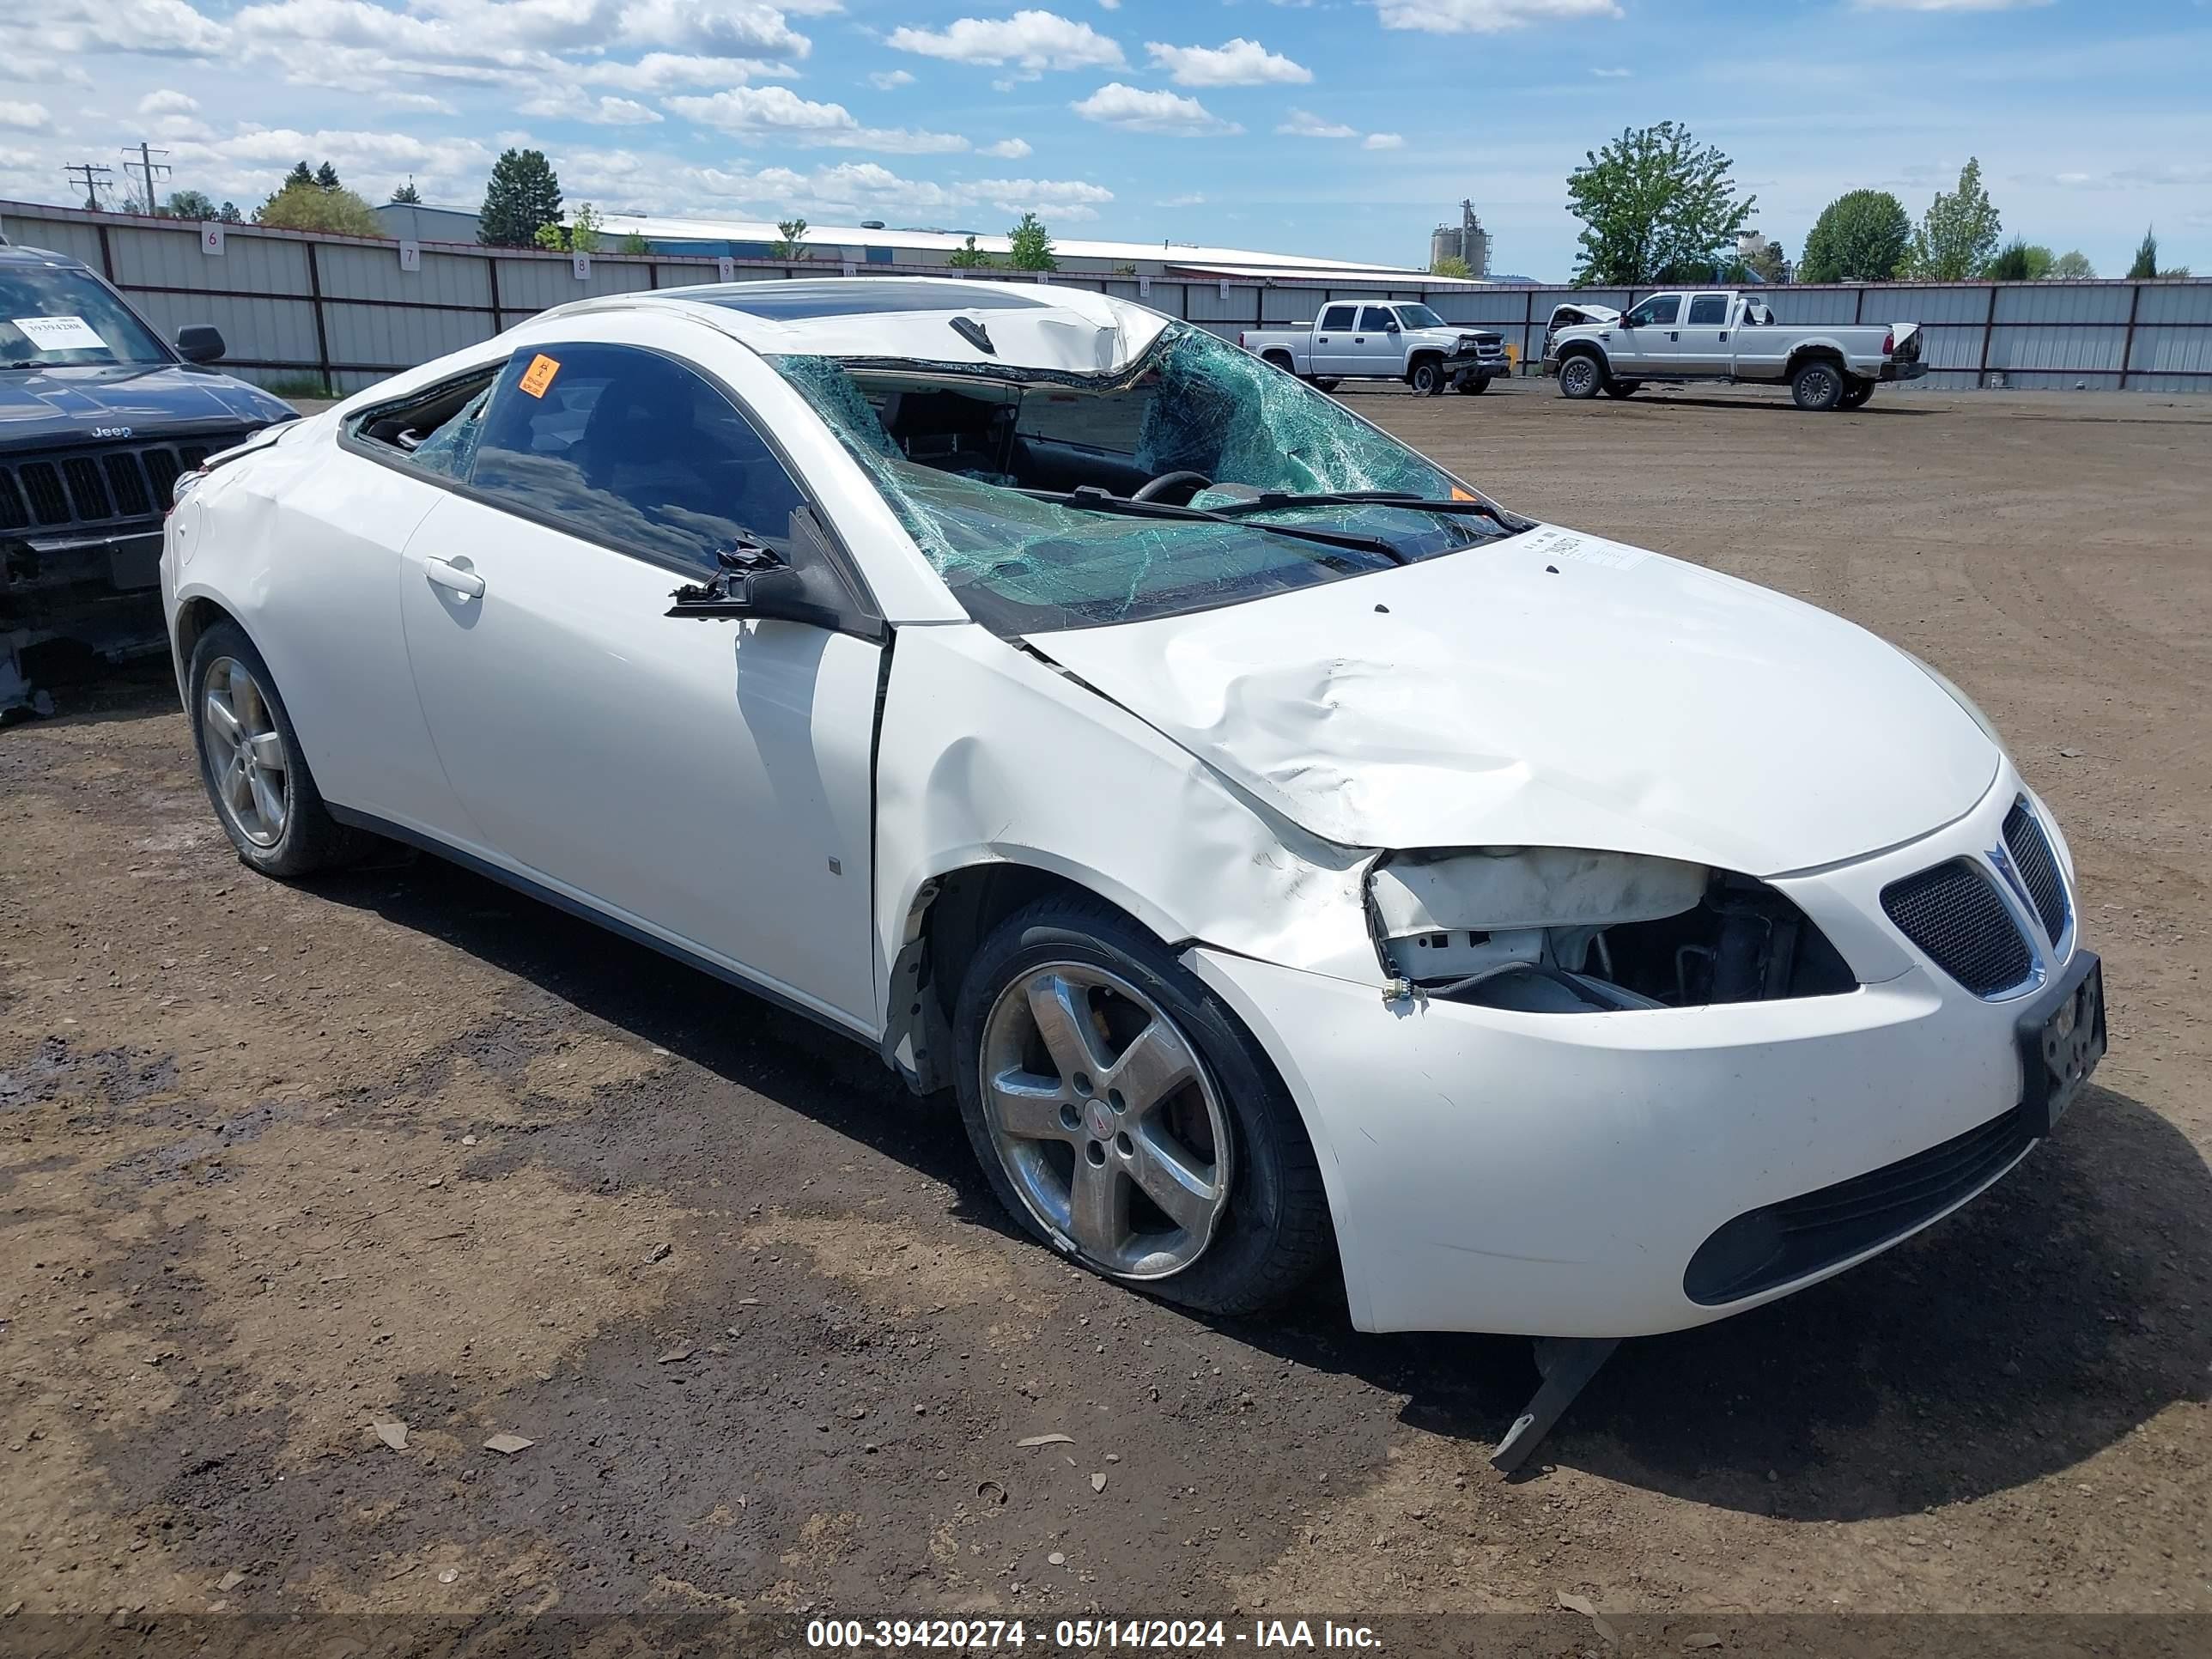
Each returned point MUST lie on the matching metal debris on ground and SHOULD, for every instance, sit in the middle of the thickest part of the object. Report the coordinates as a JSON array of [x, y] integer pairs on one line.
[[508, 1444]]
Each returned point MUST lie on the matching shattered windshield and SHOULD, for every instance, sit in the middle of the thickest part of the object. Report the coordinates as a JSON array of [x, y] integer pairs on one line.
[[981, 465]]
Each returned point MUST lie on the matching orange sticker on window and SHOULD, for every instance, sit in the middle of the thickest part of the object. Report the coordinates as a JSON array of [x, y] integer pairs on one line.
[[1457, 495], [539, 374]]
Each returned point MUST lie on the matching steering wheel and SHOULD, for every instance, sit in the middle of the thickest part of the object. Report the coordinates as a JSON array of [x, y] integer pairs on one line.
[[1154, 488]]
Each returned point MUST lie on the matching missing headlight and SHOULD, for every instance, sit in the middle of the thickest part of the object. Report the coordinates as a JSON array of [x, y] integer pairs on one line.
[[1570, 930]]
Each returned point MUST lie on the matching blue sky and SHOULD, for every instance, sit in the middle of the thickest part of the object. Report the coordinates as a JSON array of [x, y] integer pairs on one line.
[[1340, 127]]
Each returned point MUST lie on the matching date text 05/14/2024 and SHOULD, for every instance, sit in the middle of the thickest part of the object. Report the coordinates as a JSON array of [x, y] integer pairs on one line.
[[1087, 1635]]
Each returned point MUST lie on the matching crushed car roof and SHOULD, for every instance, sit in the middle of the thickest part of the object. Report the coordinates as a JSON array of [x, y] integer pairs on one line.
[[1012, 326]]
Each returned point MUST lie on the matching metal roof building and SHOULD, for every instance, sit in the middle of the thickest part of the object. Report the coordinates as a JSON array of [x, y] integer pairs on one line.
[[872, 244]]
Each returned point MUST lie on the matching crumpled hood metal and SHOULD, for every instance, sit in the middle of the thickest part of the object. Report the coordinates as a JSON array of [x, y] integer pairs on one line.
[[1555, 689]]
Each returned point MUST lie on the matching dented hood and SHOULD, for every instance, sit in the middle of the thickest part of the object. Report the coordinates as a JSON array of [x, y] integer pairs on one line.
[[1555, 689]]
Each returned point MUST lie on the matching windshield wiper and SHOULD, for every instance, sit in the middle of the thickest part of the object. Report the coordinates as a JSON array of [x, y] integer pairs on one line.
[[1091, 498], [1267, 501]]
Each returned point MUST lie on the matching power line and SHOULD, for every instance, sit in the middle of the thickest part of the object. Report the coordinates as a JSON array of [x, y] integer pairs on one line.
[[146, 168], [94, 177]]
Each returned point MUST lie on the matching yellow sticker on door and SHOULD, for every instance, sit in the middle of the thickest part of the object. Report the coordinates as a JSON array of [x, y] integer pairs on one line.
[[539, 374]]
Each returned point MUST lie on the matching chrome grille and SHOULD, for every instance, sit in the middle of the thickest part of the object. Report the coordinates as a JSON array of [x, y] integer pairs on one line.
[[2032, 855], [1952, 913]]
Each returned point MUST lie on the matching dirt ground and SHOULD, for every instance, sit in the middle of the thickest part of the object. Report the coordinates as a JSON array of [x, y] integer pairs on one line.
[[278, 1163]]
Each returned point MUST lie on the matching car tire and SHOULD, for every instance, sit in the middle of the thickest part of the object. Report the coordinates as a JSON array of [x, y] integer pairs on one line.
[[1426, 377], [1279, 360], [1474, 386], [257, 778], [1233, 1244], [1623, 388], [1582, 376], [1817, 387], [1856, 393], [1325, 382]]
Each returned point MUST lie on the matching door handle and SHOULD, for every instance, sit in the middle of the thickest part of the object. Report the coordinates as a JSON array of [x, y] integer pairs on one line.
[[1321, 339], [467, 583], [1674, 334], [1723, 337]]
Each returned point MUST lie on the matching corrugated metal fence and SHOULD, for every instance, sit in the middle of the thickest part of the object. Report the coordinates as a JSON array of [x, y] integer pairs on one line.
[[343, 309]]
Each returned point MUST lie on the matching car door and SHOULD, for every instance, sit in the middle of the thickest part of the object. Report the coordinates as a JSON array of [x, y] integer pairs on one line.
[[705, 781], [1644, 342], [1332, 340], [1378, 343], [1702, 343]]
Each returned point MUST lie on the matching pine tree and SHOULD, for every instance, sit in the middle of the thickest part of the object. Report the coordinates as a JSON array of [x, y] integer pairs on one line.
[[523, 195], [326, 178], [2146, 262], [969, 257], [302, 174], [407, 192]]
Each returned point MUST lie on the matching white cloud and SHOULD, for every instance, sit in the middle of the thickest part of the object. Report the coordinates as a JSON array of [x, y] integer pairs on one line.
[[167, 103], [886, 80], [1009, 150], [30, 117], [1120, 106], [1612, 74], [660, 71], [1487, 17], [1950, 5], [1383, 141], [1109, 5], [157, 27], [1304, 124], [608, 112], [247, 165], [417, 101], [1196, 199], [782, 112], [1238, 63], [630, 181], [1033, 40]]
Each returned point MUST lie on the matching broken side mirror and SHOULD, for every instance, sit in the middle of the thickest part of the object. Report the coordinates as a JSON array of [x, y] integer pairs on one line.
[[756, 582], [199, 343]]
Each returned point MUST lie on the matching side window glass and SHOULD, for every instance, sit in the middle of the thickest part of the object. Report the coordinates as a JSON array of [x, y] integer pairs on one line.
[[1374, 319], [1658, 312], [1709, 311], [452, 447], [634, 449], [1337, 317]]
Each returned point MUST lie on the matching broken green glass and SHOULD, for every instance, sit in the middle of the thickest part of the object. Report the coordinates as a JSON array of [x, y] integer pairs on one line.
[[1021, 564]]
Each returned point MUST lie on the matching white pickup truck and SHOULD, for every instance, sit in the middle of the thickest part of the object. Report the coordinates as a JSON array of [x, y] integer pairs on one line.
[[1383, 340], [1729, 336]]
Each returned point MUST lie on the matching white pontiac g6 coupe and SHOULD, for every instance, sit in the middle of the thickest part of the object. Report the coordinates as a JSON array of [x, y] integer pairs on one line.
[[1284, 851]]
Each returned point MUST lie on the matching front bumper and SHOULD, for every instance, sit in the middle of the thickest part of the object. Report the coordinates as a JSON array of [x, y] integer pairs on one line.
[[1556, 1175]]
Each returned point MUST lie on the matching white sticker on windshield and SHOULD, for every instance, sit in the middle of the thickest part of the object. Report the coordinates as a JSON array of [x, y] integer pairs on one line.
[[59, 334]]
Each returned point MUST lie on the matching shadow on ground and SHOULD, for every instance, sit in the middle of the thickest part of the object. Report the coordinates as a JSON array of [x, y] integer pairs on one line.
[[2020, 1336]]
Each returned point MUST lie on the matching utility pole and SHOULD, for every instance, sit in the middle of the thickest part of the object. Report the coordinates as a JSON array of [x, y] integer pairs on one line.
[[148, 167], [93, 175]]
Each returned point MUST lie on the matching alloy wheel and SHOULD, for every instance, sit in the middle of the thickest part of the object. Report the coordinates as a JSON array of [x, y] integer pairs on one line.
[[1104, 1120], [245, 752]]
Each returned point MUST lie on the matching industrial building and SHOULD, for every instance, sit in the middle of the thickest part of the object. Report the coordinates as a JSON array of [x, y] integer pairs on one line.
[[1466, 240], [873, 243]]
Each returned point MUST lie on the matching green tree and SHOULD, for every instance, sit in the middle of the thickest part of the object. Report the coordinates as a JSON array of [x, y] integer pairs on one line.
[[1449, 265], [1958, 235], [327, 177], [190, 204], [790, 239], [230, 213], [1768, 261], [310, 207], [302, 174], [407, 192], [522, 196], [2020, 261], [969, 257], [1653, 205], [635, 243], [1030, 245], [2146, 260], [580, 235], [2073, 264], [1863, 236]]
